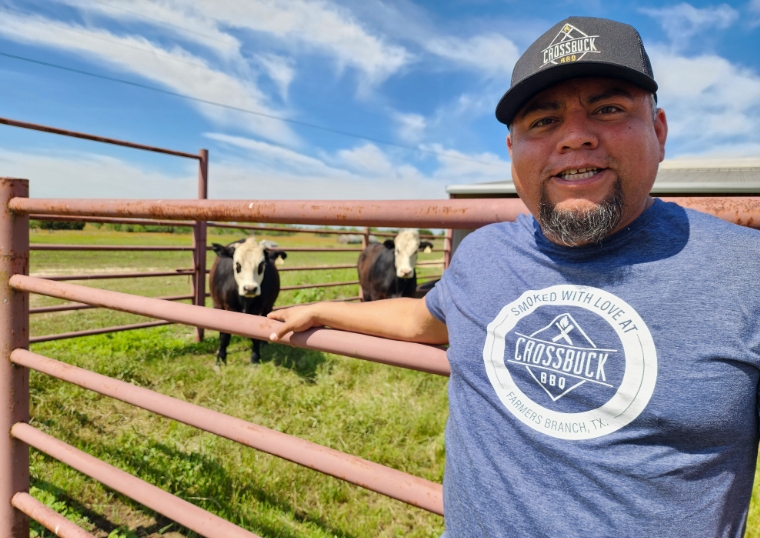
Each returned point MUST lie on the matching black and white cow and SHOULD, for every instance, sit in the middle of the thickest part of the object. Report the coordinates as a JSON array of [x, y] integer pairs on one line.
[[244, 278], [386, 269]]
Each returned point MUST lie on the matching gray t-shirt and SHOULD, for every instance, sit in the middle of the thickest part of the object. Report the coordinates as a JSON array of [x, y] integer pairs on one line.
[[603, 390]]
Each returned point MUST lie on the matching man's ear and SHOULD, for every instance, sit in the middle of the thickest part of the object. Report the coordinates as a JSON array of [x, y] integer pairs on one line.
[[389, 244], [426, 247], [661, 130], [509, 145], [222, 251]]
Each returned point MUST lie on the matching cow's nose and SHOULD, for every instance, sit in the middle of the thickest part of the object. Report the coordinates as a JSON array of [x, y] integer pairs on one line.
[[249, 290], [404, 272]]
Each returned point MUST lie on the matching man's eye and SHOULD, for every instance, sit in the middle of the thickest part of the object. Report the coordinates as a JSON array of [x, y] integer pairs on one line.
[[609, 109], [543, 122]]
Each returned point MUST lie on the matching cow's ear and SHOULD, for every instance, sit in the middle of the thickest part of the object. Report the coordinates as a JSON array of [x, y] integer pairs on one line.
[[389, 244], [274, 255], [426, 247], [222, 251]]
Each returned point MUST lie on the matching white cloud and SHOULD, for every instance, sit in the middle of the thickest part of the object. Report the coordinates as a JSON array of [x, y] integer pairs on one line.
[[411, 127], [364, 172], [491, 54], [459, 167], [186, 23], [274, 159], [368, 160], [175, 69], [710, 102], [683, 21], [67, 175], [317, 25], [312, 25], [279, 69]]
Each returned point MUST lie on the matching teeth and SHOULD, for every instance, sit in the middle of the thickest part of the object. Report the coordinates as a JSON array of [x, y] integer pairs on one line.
[[576, 174]]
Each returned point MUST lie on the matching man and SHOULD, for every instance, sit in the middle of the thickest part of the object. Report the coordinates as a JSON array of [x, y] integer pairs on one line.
[[604, 353]]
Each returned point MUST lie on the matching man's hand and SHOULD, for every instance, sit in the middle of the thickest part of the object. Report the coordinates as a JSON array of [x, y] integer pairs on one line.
[[296, 319], [399, 319]]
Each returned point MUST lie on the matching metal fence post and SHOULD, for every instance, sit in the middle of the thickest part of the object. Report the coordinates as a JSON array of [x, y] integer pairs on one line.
[[365, 237], [447, 248], [14, 380], [365, 244], [199, 243]]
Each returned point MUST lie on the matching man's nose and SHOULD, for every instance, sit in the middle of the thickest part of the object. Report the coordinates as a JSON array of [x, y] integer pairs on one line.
[[577, 132]]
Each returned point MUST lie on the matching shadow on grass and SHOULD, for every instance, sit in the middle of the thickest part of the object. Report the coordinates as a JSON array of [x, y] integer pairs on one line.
[[303, 362], [99, 521], [120, 354], [177, 472]]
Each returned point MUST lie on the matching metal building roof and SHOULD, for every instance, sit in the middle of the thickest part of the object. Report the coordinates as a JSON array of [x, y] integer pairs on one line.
[[677, 176]]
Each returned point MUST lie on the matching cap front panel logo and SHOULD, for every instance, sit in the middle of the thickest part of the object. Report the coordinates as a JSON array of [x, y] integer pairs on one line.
[[569, 45], [572, 362]]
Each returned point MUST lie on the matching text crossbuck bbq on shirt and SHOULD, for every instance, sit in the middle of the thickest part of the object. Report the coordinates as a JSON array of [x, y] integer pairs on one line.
[[561, 357], [588, 350]]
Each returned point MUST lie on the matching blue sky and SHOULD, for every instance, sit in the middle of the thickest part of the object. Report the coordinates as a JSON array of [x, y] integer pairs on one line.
[[417, 80]]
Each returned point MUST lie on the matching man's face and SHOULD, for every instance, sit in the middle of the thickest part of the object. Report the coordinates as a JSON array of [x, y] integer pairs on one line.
[[585, 146]]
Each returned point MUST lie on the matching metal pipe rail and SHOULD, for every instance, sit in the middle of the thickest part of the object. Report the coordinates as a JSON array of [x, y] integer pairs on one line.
[[94, 138], [107, 276], [316, 267], [93, 332], [314, 249], [364, 473], [450, 214], [306, 230], [68, 307], [343, 300], [405, 354], [179, 510], [408, 213], [48, 518], [105, 220], [320, 285], [111, 248]]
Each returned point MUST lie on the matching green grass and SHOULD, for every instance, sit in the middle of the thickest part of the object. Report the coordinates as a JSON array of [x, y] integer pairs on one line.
[[388, 415]]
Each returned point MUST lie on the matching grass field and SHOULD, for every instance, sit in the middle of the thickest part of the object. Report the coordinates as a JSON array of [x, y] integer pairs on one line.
[[388, 415]]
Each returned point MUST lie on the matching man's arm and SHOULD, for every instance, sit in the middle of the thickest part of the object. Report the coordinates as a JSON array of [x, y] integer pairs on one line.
[[399, 319]]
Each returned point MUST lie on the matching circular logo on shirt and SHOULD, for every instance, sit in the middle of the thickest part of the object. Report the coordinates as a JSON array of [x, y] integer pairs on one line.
[[573, 362]]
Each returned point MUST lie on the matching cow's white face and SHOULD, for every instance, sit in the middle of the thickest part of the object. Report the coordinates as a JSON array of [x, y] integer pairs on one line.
[[407, 244], [248, 265]]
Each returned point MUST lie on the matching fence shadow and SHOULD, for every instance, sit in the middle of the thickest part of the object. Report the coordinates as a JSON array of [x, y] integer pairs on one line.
[[211, 494]]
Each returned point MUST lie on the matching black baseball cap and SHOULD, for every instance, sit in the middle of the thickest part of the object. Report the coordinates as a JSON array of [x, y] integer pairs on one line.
[[577, 47]]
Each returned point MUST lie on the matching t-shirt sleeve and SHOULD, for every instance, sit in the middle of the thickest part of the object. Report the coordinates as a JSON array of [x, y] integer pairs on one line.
[[438, 299]]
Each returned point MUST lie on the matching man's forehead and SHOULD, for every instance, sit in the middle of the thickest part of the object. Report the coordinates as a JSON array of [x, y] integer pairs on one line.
[[587, 89]]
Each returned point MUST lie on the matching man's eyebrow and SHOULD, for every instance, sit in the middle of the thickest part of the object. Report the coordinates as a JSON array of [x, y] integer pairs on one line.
[[608, 94], [540, 106]]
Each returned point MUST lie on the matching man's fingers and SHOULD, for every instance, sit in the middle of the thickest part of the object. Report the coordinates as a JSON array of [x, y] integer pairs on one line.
[[281, 331]]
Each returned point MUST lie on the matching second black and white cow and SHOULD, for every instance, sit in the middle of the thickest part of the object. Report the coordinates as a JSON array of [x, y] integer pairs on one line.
[[244, 278], [387, 270]]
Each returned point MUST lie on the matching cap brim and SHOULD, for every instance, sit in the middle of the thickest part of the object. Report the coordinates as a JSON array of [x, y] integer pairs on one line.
[[512, 101]]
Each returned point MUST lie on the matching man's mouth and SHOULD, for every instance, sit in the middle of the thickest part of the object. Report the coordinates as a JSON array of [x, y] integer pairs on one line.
[[578, 174]]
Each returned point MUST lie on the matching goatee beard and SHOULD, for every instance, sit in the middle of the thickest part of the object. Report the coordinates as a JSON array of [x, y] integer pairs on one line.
[[579, 227]]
